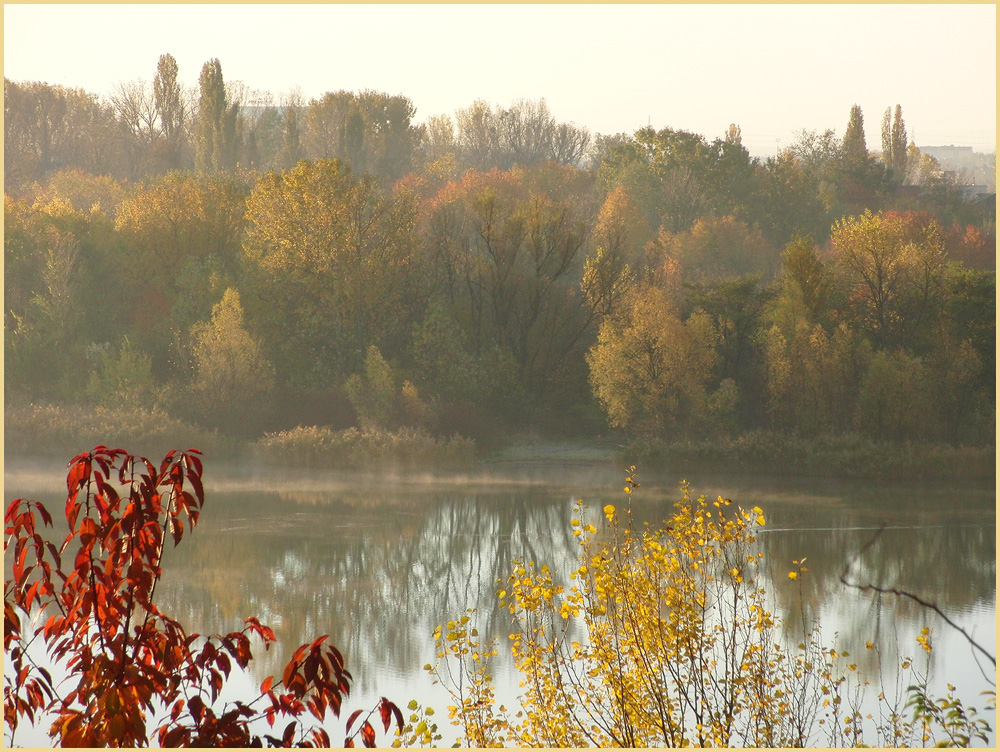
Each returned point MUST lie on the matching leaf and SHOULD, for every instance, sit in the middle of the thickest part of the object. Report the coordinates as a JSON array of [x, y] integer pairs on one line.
[[352, 719], [368, 734], [289, 732], [265, 686]]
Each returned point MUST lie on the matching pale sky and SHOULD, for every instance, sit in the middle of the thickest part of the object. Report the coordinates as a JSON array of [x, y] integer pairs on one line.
[[772, 69]]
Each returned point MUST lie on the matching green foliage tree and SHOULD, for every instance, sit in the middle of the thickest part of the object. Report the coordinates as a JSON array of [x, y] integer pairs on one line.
[[169, 109], [894, 397], [123, 379], [215, 129], [855, 149], [894, 145]]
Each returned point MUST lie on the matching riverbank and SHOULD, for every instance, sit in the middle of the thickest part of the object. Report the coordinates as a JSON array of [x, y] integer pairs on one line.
[[59, 433]]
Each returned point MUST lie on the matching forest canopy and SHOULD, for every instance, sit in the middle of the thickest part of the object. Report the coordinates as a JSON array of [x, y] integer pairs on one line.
[[250, 265]]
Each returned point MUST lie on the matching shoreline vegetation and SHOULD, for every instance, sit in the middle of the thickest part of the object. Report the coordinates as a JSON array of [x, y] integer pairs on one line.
[[45, 430]]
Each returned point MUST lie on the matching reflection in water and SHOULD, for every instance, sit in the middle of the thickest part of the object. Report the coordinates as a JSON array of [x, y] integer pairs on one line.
[[377, 568]]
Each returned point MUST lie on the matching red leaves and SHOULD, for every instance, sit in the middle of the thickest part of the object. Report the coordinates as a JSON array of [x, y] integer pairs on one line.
[[368, 734], [123, 656], [389, 710]]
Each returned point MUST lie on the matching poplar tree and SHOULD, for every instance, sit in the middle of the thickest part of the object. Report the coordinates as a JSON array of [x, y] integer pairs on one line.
[[215, 134], [169, 108], [855, 149], [894, 143]]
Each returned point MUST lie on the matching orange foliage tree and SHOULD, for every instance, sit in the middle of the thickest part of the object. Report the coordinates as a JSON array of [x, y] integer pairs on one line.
[[126, 662]]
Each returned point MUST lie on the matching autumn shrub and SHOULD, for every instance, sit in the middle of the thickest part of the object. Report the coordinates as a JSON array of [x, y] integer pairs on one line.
[[666, 636], [119, 672], [58, 430], [368, 449]]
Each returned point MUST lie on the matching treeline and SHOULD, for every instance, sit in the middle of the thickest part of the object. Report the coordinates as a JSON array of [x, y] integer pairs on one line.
[[254, 266]]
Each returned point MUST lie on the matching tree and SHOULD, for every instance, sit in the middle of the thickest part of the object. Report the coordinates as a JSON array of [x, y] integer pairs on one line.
[[893, 265], [169, 109], [331, 269], [127, 661], [894, 144], [507, 251], [233, 377], [173, 222], [135, 107], [855, 150], [291, 142], [650, 370], [805, 284], [48, 128], [371, 131], [718, 247], [215, 131]]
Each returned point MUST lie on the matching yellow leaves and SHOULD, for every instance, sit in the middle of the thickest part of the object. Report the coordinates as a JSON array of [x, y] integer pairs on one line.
[[924, 639], [609, 509], [793, 575]]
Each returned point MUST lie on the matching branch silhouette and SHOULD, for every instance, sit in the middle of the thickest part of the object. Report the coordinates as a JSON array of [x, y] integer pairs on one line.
[[906, 594]]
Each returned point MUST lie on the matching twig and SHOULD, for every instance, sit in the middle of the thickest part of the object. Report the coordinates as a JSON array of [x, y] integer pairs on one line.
[[904, 594]]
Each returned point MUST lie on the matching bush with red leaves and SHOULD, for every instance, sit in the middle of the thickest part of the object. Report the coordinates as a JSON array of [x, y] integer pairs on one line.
[[126, 661]]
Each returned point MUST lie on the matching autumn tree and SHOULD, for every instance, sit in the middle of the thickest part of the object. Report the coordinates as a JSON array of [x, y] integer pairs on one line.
[[715, 248], [618, 237], [813, 378], [649, 369], [233, 378], [507, 256], [893, 264], [178, 230], [331, 268], [664, 636]]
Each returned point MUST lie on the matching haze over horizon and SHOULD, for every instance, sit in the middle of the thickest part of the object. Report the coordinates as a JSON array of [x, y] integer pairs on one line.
[[772, 70]]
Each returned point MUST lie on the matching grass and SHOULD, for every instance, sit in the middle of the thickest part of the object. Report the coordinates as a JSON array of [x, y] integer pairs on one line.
[[844, 456], [406, 449], [44, 430]]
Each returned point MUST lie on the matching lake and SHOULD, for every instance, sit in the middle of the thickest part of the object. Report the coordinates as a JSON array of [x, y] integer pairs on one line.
[[378, 563]]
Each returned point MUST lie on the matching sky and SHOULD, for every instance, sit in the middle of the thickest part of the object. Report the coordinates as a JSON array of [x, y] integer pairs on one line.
[[774, 70]]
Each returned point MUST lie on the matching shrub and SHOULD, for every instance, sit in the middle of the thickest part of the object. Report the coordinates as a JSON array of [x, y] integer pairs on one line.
[[666, 637], [369, 449], [125, 660], [57, 430]]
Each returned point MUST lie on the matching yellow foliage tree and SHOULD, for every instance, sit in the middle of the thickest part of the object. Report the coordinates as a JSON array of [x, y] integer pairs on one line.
[[649, 369]]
